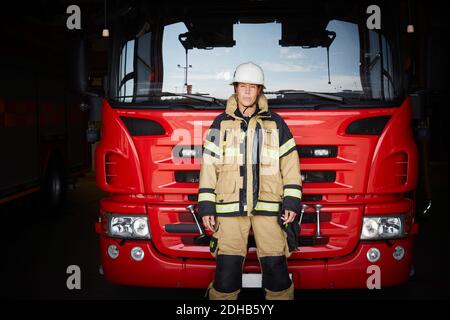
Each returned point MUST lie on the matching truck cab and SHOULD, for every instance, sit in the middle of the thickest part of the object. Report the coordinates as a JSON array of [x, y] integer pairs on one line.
[[338, 82]]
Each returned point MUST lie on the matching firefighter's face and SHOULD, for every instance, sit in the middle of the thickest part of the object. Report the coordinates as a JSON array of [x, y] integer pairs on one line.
[[247, 93]]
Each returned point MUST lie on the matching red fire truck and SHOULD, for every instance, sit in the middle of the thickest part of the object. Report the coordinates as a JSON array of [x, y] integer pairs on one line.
[[42, 129], [334, 76]]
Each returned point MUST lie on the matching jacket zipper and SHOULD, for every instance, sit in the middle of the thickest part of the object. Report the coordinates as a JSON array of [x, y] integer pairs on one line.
[[244, 203]]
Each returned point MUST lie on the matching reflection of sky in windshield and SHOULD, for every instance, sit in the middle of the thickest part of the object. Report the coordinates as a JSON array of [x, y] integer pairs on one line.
[[284, 67]]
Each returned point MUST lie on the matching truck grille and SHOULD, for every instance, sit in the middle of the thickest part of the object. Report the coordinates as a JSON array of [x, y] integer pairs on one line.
[[307, 176]]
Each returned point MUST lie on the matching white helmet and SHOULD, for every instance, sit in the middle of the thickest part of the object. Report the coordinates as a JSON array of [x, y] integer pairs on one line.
[[249, 73]]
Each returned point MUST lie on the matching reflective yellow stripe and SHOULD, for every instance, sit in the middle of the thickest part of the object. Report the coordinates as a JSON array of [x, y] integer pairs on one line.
[[266, 206], [227, 208], [206, 197], [242, 136], [212, 147], [292, 193], [270, 153], [287, 146], [232, 152]]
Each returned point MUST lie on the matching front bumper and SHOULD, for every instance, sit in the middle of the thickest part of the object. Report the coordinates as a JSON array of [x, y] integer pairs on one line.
[[351, 271]]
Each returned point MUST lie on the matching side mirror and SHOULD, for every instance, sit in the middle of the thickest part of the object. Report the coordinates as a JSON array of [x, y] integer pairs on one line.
[[91, 102], [78, 65], [418, 105]]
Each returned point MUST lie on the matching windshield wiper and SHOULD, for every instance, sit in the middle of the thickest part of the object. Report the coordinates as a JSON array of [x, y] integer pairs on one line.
[[198, 97], [201, 97], [315, 94]]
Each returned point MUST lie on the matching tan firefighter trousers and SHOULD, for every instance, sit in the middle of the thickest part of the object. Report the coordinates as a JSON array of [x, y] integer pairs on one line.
[[232, 237]]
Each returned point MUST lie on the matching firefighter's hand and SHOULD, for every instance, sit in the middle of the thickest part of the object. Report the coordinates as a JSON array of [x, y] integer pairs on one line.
[[209, 222], [288, 216]]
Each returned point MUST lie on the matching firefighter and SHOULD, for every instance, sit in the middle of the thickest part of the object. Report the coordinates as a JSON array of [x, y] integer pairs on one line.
[[249, 178]]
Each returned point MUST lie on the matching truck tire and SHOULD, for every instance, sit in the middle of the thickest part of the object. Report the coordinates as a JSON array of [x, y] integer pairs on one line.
[[53, 186]]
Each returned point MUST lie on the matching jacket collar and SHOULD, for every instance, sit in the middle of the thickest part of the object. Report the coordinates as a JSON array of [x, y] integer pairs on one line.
[[262, 107]]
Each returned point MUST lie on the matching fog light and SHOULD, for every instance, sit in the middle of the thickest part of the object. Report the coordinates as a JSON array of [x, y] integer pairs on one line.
[[137, 253], [373, 255], [399, 253], [113, 251]]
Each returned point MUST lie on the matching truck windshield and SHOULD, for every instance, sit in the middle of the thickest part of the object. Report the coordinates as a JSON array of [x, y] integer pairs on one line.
[[195, 50]]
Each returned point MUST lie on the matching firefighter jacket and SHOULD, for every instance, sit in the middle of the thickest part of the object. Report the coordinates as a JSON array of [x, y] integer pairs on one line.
[[249, 166]]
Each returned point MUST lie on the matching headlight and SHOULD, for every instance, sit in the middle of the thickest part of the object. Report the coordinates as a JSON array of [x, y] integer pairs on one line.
[[386, 227], [140, 227], [128, 227]]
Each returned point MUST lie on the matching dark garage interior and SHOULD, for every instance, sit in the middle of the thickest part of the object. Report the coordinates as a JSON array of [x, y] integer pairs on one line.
[[57, 83]]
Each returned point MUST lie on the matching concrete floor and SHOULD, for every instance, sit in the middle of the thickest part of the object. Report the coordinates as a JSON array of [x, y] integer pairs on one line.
[[37, 248]]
